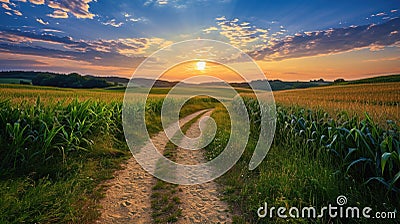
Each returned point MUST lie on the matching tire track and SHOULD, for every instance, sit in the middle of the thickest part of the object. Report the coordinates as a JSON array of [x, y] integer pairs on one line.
[[127, 198]]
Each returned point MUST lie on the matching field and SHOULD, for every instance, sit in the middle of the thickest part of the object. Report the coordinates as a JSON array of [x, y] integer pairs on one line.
[[13, 81], [57, 150], [381, 100]]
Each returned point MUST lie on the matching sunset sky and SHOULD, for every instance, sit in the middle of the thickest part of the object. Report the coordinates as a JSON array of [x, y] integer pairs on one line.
[[290, 40]]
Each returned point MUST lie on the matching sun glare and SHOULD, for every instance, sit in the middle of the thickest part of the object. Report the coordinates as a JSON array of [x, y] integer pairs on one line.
[[201, 65]]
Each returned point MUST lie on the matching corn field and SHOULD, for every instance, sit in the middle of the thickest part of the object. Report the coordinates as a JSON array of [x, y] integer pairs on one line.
[[380, 100], [32, 136], [360, 150]]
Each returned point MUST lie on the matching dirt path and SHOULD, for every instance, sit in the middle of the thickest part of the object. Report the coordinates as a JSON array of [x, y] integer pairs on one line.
[[200, 203], [127, 199]]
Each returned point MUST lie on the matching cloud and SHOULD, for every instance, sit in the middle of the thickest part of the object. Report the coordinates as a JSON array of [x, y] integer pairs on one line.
[[6, 63], [42, 22], [383, 59], [177, 4], [58, 14], [374, 37], [212, 28], [130, 18], [17, 13], [9, 9], [124, 52], [379, 14], [37, 2], [78, 8], [243, 34], [113, 23], [162, 2], [5, 6], [181, 4]]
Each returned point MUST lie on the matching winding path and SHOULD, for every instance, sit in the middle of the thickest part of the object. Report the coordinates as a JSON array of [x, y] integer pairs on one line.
[[200, 203], [127, 199]]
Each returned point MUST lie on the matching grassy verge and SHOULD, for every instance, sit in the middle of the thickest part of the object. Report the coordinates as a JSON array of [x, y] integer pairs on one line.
[[55, 155], [291, 175], [68, 193]]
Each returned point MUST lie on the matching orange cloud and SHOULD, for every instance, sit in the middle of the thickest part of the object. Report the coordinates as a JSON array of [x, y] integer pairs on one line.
[[58, 14], [37, 2]]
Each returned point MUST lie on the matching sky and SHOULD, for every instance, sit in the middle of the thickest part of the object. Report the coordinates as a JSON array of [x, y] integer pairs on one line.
[[289, 40]]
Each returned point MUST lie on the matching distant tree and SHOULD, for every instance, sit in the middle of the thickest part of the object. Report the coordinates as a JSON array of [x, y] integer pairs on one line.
[[22, 82], [339, 80], [73, 80], [317, 80]]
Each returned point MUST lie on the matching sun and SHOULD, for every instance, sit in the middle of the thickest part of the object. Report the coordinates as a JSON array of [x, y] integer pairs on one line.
[[201, 65]]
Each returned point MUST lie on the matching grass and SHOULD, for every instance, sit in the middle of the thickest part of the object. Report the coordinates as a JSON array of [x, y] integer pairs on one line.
[[57, 150], [50, 95], [54, 157], [308, 166], [13, 81], [68, 196]]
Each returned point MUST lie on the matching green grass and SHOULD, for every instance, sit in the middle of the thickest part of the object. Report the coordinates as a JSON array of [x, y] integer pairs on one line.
[[69, 195], [56, 155], [13, 81], [380, 79], [54, 158]]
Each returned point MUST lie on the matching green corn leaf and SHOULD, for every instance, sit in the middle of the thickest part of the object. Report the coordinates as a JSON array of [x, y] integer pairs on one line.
[[385, 157], [360, 160]]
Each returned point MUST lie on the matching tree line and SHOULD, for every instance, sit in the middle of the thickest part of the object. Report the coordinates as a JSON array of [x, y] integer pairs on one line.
[[73, 80]]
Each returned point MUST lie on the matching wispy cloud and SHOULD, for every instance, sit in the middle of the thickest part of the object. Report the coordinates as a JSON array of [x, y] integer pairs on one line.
[[180, 4], [52, 31], [58, 14], [379, 14], [113, 23], [76, 8], [124, 52], [374, 37], [383, 59], [243, 34], [5, 6], [37, 2], [10, 11], [130, 18], [42, 22]]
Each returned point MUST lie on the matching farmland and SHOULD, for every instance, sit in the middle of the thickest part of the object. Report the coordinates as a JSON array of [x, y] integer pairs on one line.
[[381, 100], [57, 150], [329, 141]]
